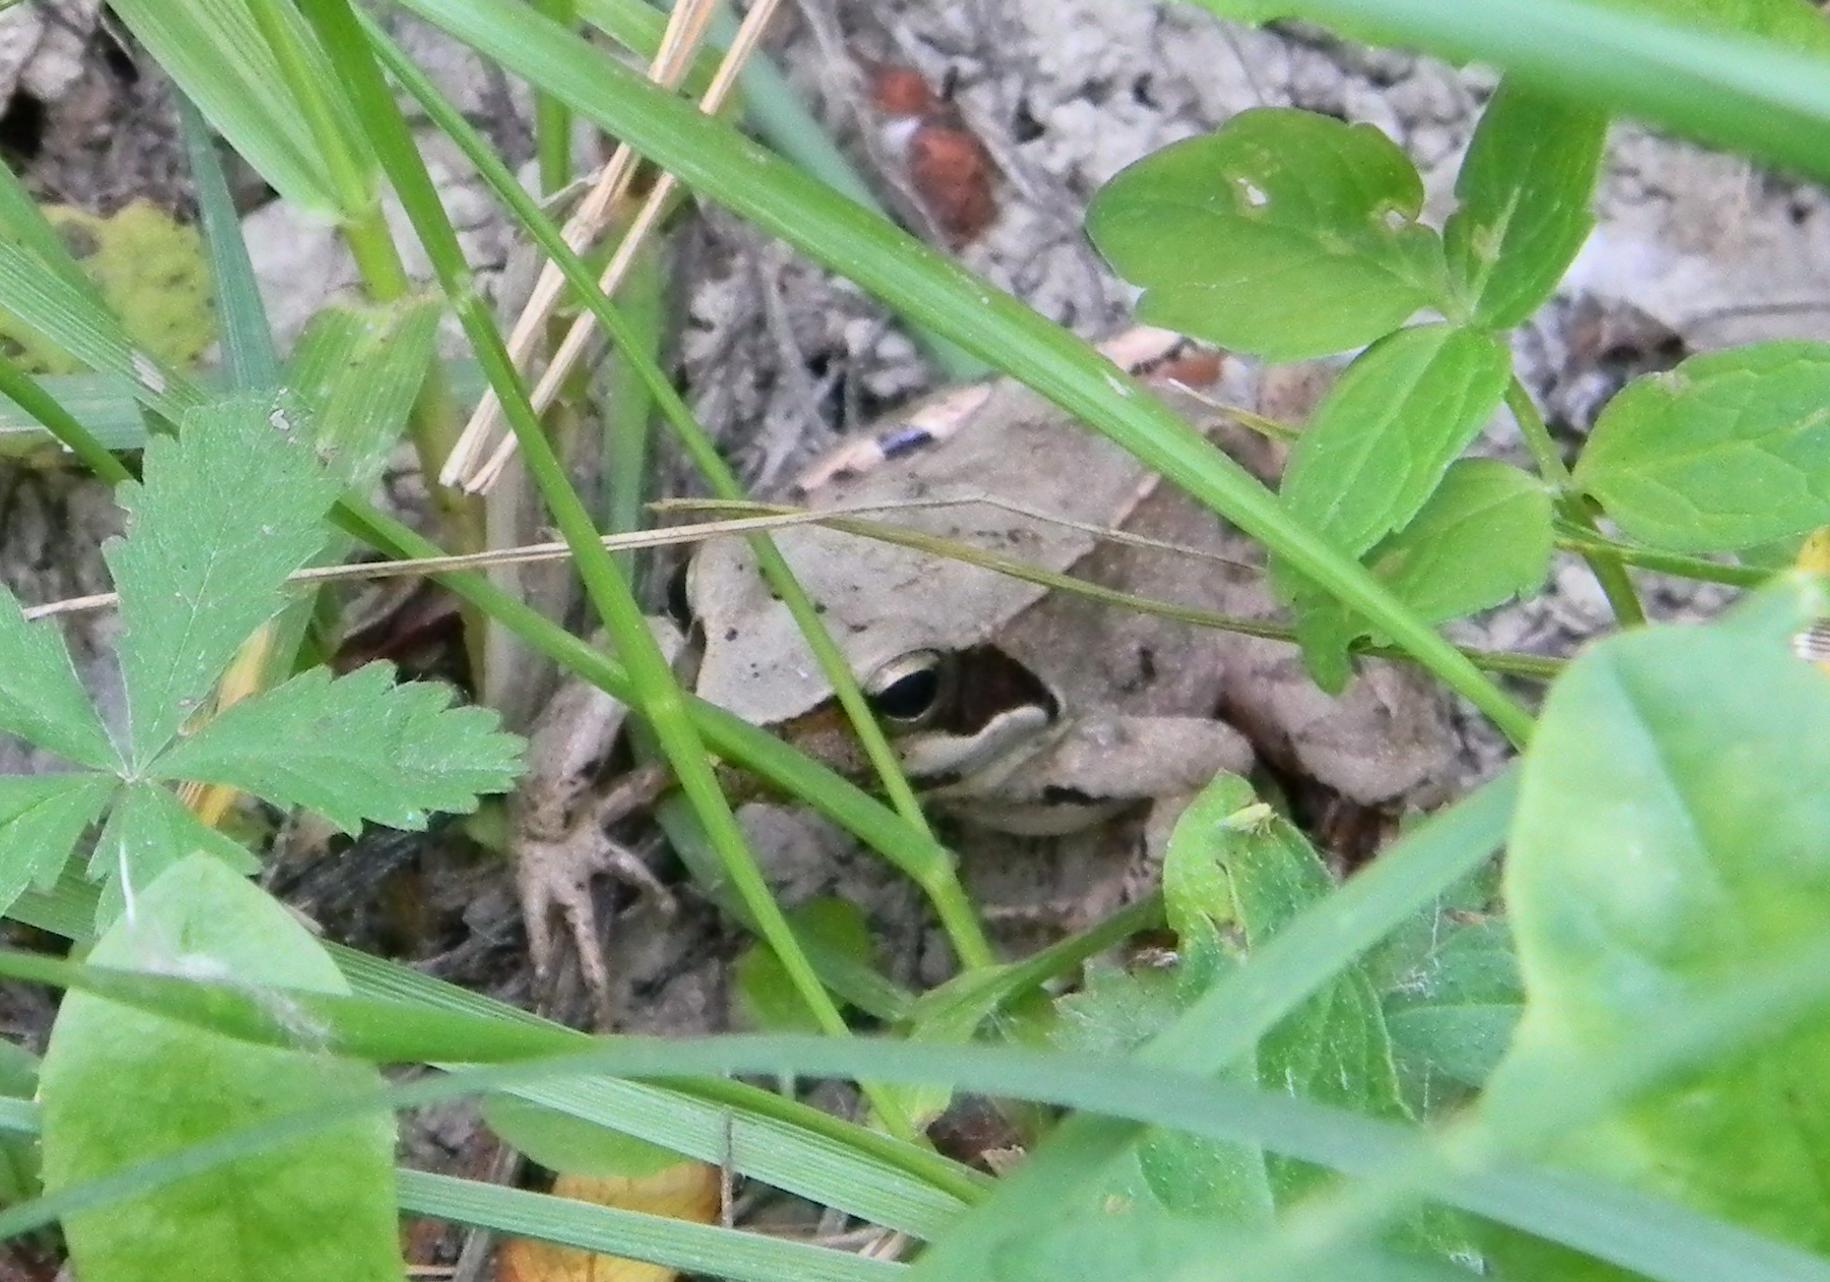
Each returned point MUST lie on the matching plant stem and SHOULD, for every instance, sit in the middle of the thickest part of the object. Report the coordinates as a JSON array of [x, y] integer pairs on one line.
[[433, 426], [552, 118], [21, 388], [1572, 505], [1673, 563]]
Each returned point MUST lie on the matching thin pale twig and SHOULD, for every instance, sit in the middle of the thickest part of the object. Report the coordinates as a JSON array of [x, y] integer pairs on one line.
[[585, 324], [680, 41]]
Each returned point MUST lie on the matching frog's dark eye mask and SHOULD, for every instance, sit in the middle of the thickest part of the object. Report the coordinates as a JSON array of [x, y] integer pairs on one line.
[[953, 714]]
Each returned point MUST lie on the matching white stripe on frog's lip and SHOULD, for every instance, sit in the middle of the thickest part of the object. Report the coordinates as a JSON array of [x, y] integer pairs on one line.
[[1136, 351]]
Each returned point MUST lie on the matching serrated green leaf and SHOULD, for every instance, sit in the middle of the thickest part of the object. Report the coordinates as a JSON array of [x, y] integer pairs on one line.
[[147, 832], [355, 748], [1672, 834], [119, 1086], [1482, 538], [41, 698], [1526, 190], [223, 514], [1377, 446], [1286, 233], [41, 817], [1727, 450]]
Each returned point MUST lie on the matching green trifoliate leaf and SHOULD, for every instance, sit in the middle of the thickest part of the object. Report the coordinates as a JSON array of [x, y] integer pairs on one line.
[[355, 749], [41, 699], [148, 831], [1482, 538], [120, 1086], [1728, 450], [41, 818], [1526, 189], [1672, 835], [1286, 234], [223, 515]]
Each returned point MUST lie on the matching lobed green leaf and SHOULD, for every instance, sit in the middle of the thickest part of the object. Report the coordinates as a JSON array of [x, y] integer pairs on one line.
[[41, 819], [355, 748], [41, 698], [223, 515], [148, 831]]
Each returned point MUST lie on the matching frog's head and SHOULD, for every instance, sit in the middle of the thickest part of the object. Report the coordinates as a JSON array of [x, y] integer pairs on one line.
[[923, 652]]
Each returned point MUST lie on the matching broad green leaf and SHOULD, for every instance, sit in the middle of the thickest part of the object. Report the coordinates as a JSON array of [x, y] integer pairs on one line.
[[1526, 190], [1673, 833], [1727, 450], [1377, 446], [1227, 1180], [763, 991], [1235, 874], [1482, 538], [1452, 1017], [355, 748], [1286, 233], [1797, 23], [1137, 1240], [223, 514], [41, 818], [561, 1142], [41, 698], [119, 1086], [216, 53]]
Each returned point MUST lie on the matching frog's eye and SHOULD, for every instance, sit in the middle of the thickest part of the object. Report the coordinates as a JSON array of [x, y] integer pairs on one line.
[[906, 691]]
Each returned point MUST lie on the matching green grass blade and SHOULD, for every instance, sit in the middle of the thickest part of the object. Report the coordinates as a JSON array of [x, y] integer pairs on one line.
[[247, 338], [1583, 1213], [214, 50], [717, 162], [678, 1244], [1750, 95]]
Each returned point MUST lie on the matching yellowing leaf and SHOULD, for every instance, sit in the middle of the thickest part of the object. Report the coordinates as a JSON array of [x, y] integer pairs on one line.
[[150, 271], [685, 1191]]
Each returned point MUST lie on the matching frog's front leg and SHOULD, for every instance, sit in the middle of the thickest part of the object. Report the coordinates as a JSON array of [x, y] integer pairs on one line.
[[1096, 766], [560, 816]]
